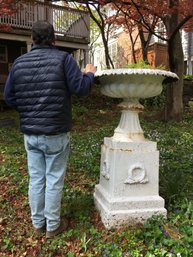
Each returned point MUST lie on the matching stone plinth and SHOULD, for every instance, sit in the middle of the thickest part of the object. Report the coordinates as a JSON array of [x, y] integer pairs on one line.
[[128, 191]]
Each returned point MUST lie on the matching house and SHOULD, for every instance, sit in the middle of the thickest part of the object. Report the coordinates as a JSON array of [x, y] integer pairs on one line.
[[120, 50], [71, 29], [187, 43]]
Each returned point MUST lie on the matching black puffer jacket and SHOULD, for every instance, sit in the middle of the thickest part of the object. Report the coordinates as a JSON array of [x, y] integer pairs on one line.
[[43, 98]]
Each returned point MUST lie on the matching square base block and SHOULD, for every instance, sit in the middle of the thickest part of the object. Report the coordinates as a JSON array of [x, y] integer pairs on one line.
[[127, 193], [130, 211]]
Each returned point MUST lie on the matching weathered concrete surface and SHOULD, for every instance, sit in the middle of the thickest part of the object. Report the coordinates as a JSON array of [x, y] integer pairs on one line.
[[128, 191]]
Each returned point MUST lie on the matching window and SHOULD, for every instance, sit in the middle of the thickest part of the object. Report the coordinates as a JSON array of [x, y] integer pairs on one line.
[[3, 53], [185, 67], [161, 31]]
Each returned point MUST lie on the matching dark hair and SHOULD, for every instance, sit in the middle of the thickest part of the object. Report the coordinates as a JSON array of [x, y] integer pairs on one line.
[[43, 33]]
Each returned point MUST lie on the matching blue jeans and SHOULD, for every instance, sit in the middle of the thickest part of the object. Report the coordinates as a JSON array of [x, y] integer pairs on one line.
[[47, 161]]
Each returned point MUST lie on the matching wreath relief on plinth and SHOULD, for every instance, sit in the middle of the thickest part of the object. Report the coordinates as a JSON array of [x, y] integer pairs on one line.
[[136, 174], [105, 171]]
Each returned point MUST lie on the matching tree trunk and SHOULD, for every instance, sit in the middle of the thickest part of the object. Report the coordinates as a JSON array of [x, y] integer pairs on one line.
[[101, 25], [144, 45], [132, 47], [109, 62], [174, 109]]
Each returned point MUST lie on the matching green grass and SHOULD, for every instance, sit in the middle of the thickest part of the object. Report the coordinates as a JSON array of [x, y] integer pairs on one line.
[[94, 118]]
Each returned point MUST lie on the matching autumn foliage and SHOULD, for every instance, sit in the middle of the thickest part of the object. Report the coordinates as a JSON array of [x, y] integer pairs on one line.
[[7, 7], [143, 11], [174, 15]]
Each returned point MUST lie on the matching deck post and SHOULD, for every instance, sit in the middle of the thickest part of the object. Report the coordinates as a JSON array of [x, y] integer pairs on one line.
[[29, 45]]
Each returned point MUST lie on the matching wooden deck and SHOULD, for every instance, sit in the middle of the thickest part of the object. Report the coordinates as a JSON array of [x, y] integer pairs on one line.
[[69, 24], [72, 30]]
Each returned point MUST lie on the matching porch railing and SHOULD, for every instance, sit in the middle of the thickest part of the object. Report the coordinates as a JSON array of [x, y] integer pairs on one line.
[[66, 21]]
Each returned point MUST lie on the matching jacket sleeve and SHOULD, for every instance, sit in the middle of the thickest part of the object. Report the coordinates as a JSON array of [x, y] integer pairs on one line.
[[9, 93], [78, 83]]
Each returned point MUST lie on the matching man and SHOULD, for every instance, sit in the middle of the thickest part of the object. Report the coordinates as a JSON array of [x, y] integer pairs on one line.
[[39, 87]]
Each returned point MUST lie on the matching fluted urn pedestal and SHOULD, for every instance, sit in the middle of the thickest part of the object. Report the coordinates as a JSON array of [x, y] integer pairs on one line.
[[128, 190]]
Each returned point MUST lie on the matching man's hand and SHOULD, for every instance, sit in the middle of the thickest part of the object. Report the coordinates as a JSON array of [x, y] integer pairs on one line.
[[90, 68]]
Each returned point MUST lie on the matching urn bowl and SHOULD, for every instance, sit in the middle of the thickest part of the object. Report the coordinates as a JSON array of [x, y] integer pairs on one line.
[[133, 83]]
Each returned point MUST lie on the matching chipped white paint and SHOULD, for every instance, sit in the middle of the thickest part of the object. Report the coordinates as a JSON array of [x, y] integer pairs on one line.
[[154, 72], [105, 169], [128, 191]]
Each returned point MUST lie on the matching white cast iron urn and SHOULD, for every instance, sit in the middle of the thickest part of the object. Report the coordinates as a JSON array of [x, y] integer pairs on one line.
[[131, 85], [128, 190]]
